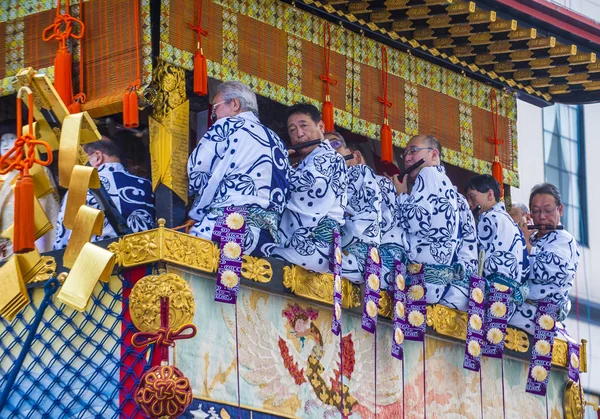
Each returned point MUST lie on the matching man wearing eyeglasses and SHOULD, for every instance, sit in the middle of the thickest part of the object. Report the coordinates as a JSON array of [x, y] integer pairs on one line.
[[361, 229], [428, 214], [238, 163], [318, 193]]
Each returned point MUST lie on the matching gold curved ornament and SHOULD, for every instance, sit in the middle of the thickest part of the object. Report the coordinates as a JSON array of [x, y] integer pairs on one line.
[[516, 340], [256, 269], [319, 287], [89, 221], [144, 301], [13, 295], [574, 406], [70, 151], [36, 268], [82, 178], [447, 321], [386, 305]]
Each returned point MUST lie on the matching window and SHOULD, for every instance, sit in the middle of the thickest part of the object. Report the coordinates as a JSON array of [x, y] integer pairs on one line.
[[564, 160]]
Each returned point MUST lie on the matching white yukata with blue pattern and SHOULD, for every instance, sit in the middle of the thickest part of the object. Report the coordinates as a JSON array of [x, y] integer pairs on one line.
[[239, 162], [131, 194], [363, 219], [318, 192], [429, 216], [466, 259], [392, 234], [553, 265]]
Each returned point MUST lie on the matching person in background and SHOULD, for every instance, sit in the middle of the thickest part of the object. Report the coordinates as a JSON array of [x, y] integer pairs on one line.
[[520, 214], [241, 163], [428, 214], [131, 195], [554, 258], [318, 194], [361, 229]]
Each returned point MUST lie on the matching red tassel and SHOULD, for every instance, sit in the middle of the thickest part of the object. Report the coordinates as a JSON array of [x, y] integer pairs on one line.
[[200, 74], [134, 112], [63, 74], [74, 107], [327, 114], [498, 175], [387, 146], [24, 234], [126, 116]]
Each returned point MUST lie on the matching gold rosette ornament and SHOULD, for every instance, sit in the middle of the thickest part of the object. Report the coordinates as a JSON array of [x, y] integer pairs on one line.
[[495, 335], [373, 281], [338, 311], [416, 292], [399, 309], [235, 221], [229, 279], [474, 348], [374, 255], [546, 322], [498, 309], [371, 308], [414, 268], [574, 360], [539, 373], [337, 283], [477, 295], [400, 282], [416, 318], [500, 287], [542, 347], [475, 322], [338, 255], [232, 250], [398, 336]]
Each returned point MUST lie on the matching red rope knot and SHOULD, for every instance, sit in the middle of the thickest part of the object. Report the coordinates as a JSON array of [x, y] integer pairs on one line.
[[383, 99], [62, 28], [164, 336], [494, 109], [200, 32], [80, 97], [327, 55]]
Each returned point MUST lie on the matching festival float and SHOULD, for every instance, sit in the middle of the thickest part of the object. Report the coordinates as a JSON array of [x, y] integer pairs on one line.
[[129, 327]]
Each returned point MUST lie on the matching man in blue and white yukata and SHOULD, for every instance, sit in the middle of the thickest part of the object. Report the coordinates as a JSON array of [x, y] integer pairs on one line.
[[318, 194], [239, 163], [553, 259], [363, 212], [132, 195], [428, 214], [466, 261]]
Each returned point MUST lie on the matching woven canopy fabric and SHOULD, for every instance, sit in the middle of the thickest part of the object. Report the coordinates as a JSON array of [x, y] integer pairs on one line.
[[109, 52], [278, 50]]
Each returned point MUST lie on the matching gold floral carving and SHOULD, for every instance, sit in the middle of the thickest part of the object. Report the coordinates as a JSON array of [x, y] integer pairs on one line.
[[136, 249], [168, 89], [319, 287], [574, 405], [559, 353], [190, 251], [386, 305], [256, 269], [516, 340], [144, 301], [447, 321]]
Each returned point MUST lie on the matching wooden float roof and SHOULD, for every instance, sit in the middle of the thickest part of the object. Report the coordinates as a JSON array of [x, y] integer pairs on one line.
[[543, 51]]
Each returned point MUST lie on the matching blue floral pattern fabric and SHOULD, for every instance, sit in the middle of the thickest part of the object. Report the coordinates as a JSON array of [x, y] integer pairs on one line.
[[554, 260], [362, 220], [318, 192], [131, 194], [392, 234], [238, 162], [429, 216], [465, 260]]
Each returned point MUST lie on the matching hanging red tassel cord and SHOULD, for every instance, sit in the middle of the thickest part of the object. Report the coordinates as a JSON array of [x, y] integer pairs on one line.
[[80, 98], [62, 30], [387, 146], [496, 165], [131, 113], [21, 157], [200, 65], [327, 110]]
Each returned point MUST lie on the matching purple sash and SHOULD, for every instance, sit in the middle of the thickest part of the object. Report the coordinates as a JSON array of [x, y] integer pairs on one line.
[[476, 312], [541, 355], [335, 266], [496, 318], [399, 289], [574, 361], [371, 303], [229, 232], [416, 305]]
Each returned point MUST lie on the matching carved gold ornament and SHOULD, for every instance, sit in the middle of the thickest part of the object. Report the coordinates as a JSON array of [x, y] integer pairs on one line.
[[573, 401], [447, 321], [386, 305], [516, 340], [144, 302], [319, 287], [256, 269]]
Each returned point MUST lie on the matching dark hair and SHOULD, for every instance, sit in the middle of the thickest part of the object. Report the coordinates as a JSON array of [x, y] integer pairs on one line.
[[431, 142], [483, 183], [545, 188], [307, 109], [105, 146]]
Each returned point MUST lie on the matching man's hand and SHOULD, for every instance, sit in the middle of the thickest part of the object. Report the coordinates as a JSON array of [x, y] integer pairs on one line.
[[401, 187]]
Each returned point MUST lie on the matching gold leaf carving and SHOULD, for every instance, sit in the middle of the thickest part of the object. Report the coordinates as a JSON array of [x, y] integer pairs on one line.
[[447, 321], [256, 269], [573, 401], [319, 287], [190, 251], [144, 301], [559, 353], [43, 271], [136, 249], [516, 340], [386, 305]]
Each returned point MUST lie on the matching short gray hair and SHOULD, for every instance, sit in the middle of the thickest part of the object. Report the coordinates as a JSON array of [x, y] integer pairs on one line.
[[521, 207], [235, 90]]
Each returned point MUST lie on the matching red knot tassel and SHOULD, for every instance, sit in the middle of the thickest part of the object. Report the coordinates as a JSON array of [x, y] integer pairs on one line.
[[63, 74], [24, 234], [131, 113], [497, 174], [74, 107], [200, 74], [387, 146], [327, 114], [126, 116]]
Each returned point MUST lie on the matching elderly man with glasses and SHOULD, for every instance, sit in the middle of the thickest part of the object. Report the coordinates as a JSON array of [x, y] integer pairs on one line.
[[238, 164], [428, 210]]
